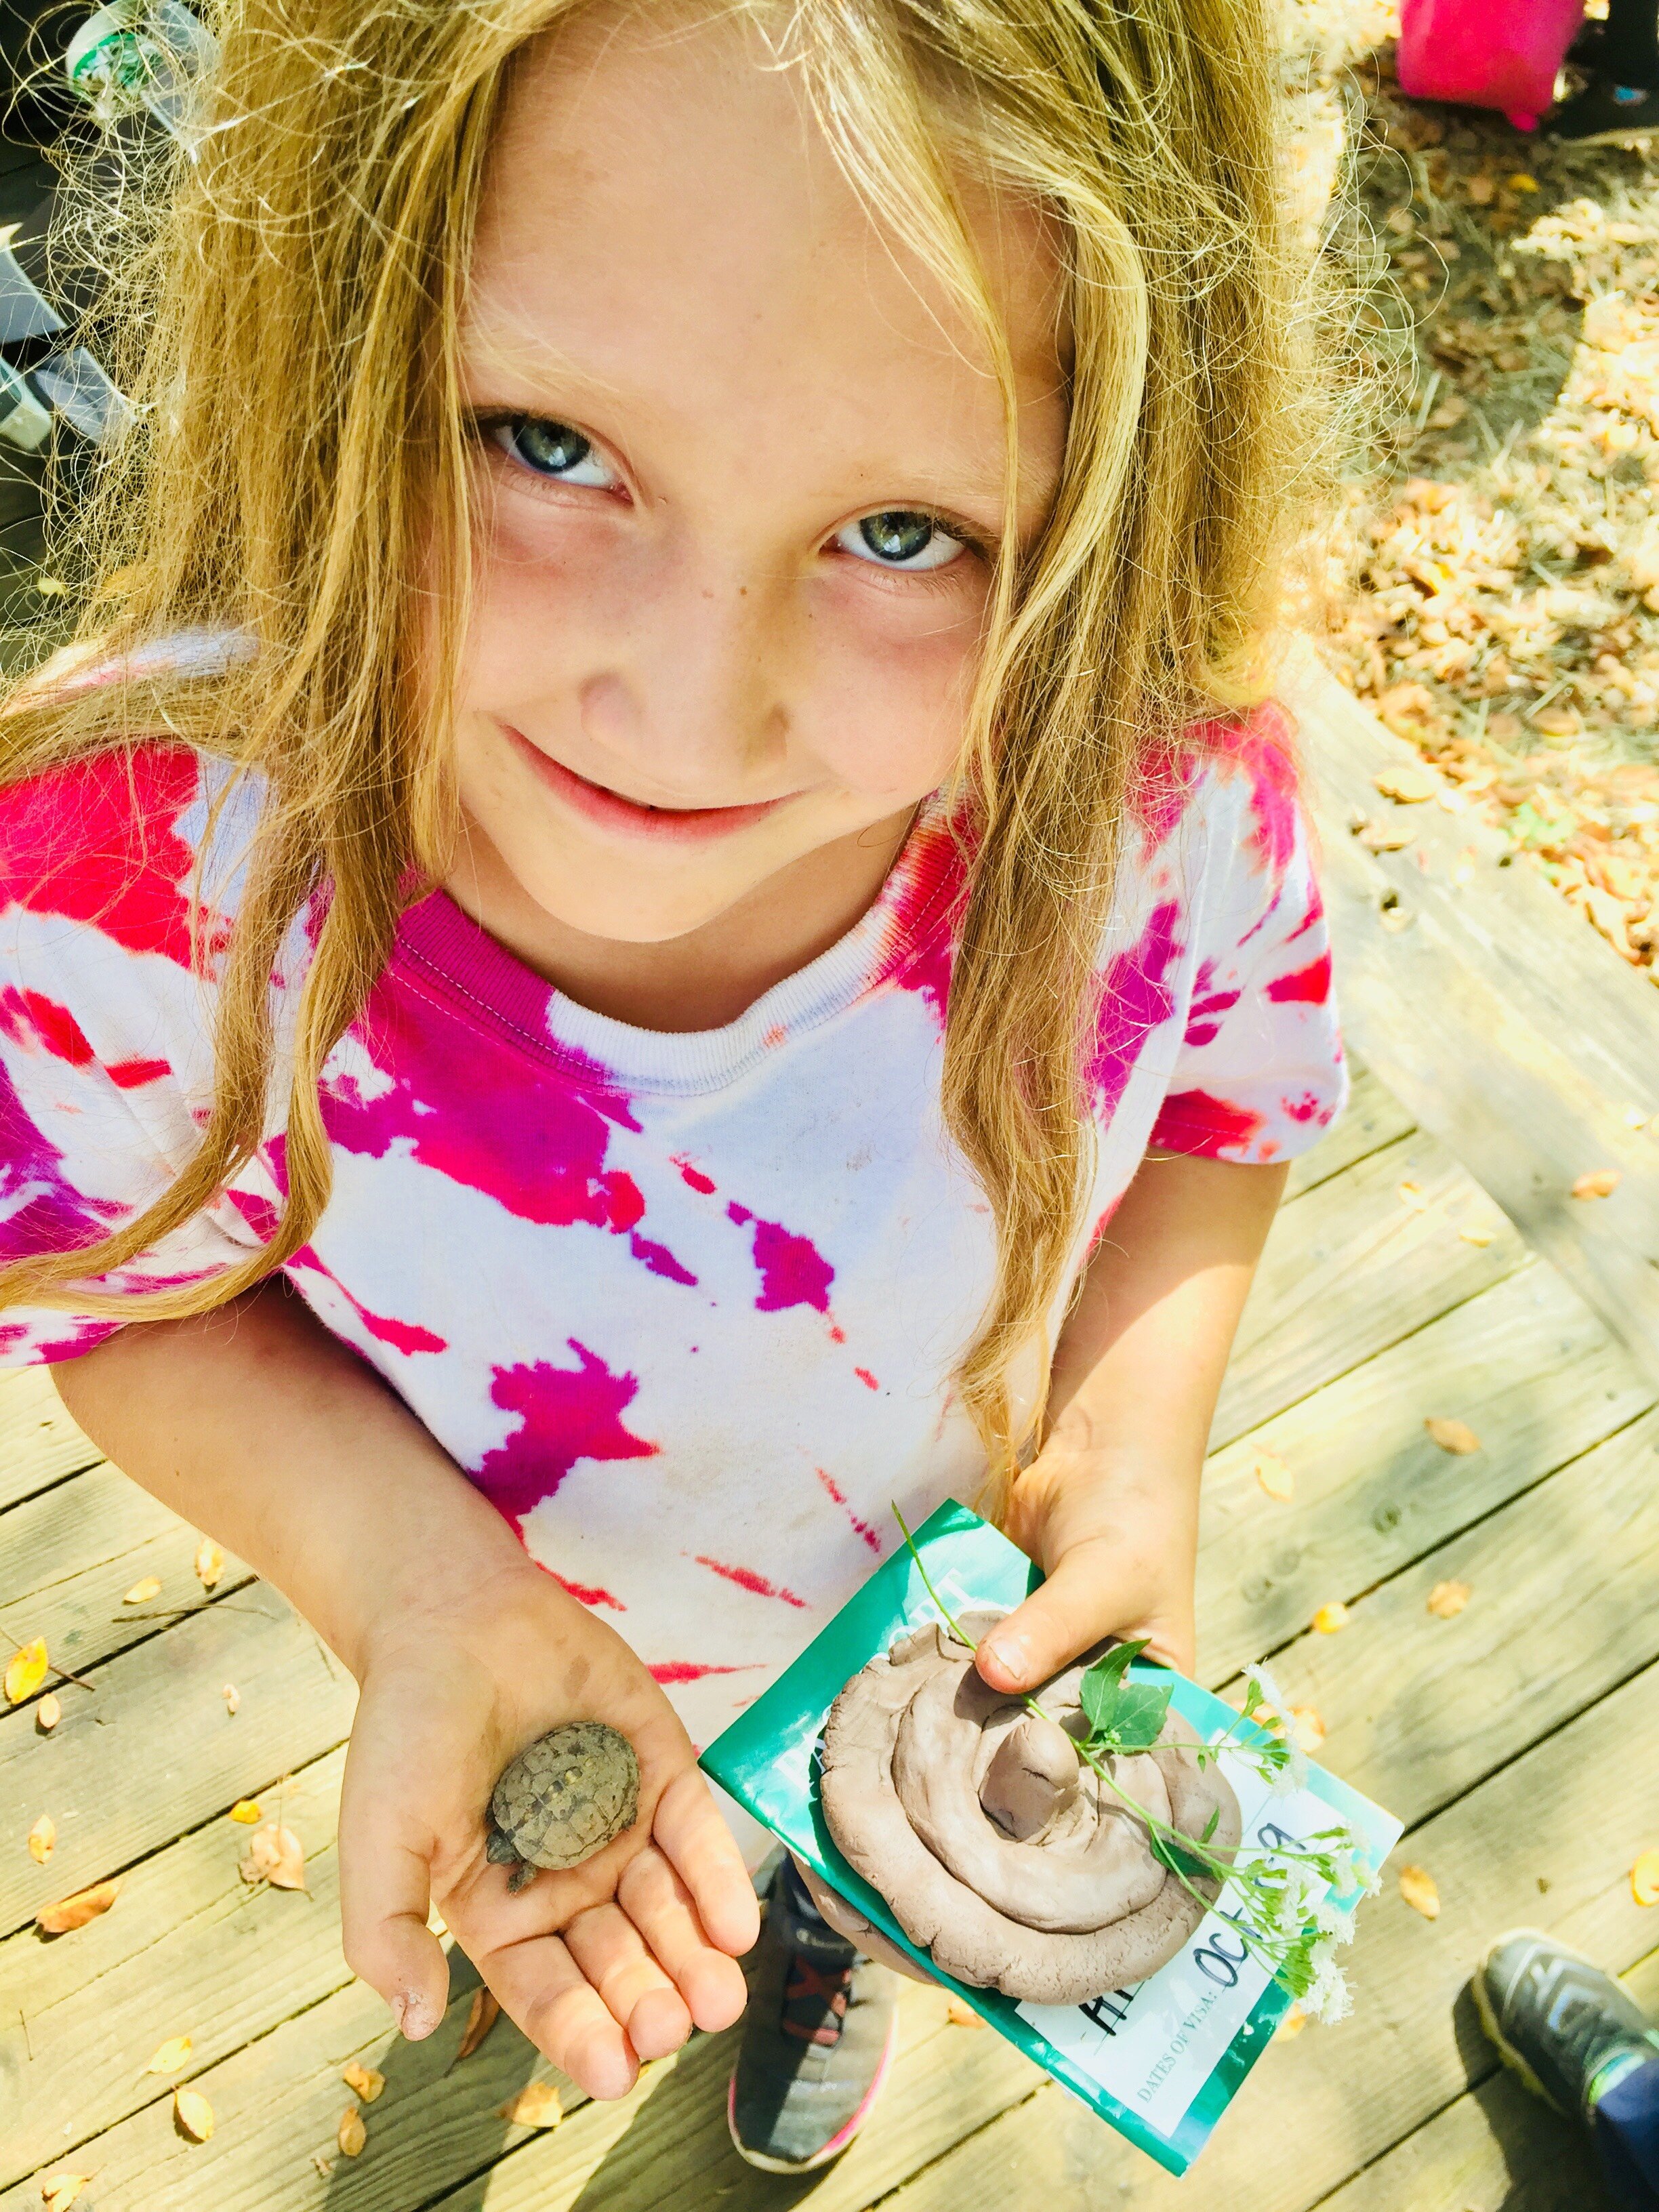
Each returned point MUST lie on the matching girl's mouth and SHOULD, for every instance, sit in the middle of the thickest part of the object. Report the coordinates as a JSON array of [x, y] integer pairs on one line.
[[633, 817]]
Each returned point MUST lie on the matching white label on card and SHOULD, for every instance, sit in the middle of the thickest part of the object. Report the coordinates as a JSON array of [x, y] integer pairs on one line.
[[1154, 2045]]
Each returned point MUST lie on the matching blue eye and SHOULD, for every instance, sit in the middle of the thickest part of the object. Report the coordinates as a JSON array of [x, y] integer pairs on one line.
[[554, 450], [900, 538]]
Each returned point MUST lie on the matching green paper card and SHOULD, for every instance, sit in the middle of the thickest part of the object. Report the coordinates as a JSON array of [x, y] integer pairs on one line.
[[1160, 2061]]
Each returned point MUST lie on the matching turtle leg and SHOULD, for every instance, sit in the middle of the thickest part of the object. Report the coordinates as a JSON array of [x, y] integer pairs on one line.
[[521, 1877], [498, 1850]]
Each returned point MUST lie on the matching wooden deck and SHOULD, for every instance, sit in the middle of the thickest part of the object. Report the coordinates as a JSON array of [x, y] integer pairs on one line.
[[1519, 1741]]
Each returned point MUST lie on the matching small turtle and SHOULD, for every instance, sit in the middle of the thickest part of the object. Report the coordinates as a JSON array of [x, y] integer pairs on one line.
[[572, 1792]]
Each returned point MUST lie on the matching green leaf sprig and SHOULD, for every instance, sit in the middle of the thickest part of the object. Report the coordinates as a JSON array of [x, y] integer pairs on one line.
[[1283, 1914]]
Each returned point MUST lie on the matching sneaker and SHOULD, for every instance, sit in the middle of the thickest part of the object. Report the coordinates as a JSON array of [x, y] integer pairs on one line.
[[1568, 2030], [1605, 113], [818, 2041]]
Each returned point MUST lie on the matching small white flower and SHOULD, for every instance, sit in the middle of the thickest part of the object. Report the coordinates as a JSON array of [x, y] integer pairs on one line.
[[1327, 1999], [1267, 1691], [1337, 1925], [1292, 1774]]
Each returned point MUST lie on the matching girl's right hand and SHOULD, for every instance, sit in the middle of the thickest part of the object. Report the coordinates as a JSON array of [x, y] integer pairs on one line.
[[603, 1966]]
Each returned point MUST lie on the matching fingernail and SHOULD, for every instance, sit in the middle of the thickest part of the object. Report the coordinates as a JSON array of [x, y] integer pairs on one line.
[[1008, 1653], [410, 2013]]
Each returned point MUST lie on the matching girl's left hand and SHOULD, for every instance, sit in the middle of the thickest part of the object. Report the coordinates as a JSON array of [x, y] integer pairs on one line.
[[1118, 1542]]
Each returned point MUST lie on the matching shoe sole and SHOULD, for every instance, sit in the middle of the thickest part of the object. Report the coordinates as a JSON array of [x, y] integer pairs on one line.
[[837, 2143], [1495, 2035]]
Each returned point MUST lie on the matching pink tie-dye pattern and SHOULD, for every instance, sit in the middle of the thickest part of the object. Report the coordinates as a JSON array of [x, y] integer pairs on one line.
[[1136, 999], [570, 1413]]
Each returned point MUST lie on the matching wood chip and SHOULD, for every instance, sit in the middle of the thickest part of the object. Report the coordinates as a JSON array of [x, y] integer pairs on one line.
[[1447, 1600], [1601, 1182], [48, 1714], [485, 2011], [960, 2014], [1455, 1436], [1417, 1886], [367, 2082], [536, 2106], [42, 1836], [209, 1563], [275, 1855], [59, 2191], [247, 1810], [1330, 1617], [148, 1587], [192, 2115], [75, 1912], [169, 2057], [25, 1670], [1275, 1477], [351, 2135], [233, 1698], [1644, 1879], [1406, 782]]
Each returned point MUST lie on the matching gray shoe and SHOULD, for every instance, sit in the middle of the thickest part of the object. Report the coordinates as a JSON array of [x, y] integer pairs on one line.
[[1559, 2021], [818, 2041]]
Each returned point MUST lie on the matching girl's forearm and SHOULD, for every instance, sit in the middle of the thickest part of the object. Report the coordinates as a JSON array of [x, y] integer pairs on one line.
[[258, 1427], [1140, 1361]]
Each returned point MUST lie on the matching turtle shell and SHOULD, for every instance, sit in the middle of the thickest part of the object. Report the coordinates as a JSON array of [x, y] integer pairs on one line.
[[572, 1792]]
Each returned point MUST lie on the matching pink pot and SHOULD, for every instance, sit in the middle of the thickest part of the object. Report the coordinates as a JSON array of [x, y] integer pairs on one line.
[[1486, 53]]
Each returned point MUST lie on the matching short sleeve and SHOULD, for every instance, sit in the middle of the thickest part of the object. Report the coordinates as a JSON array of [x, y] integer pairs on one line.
[[1259, 1073], [105, 1033]]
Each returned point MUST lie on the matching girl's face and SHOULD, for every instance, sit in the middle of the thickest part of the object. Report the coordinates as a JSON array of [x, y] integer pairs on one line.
[[740, 474]]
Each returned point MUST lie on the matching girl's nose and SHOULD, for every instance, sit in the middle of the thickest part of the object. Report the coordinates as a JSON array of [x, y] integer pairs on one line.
[[695, 698]]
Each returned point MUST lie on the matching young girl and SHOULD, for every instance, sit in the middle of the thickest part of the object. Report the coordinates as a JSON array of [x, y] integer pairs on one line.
[[651, 915]]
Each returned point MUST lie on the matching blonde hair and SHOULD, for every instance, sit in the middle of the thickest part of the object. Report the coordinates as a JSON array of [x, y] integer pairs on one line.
[[287, 313]]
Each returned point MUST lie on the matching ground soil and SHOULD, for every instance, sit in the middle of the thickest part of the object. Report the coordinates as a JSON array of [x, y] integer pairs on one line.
[[1493, 589]]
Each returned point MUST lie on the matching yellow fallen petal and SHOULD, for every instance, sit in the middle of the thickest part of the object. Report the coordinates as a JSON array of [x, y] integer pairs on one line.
[[233, 1698], [351, 2135], [245, 1810], [1275, 1477], [1644, 1879], [48, 1714], [192, 2114], [1447, 1600], [367, 2081], [1330, 1617], [536, 2106], [1417, 1887], [143, 1590], [60, 2190], [167, 2057], [1601, 1182], [209, 1563], [960, 2014], [42, 1836], [25, 1670], [1456, 1437], [1293, 2024]]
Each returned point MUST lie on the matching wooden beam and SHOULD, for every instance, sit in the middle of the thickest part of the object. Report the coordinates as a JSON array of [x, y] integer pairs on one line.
[[1502, 1021]]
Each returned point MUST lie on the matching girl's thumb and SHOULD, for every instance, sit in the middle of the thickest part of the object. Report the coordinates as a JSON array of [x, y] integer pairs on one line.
[[1072, 1610], [385, 1889]]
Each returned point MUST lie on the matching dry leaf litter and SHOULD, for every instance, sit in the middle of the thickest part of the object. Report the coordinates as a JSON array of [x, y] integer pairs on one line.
[[1417, 1887], [1493, 590]]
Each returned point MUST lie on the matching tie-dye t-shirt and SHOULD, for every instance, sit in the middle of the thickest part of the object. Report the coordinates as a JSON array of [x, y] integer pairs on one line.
[[685, 1307]]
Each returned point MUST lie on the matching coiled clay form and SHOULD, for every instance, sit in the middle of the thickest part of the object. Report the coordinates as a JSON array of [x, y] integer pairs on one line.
[[999, 1850]]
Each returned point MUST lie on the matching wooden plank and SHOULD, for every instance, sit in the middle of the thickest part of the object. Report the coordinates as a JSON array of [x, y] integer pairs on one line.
[[1372, 1118], [1547, 1842], [1556, 1039], [72, 1552], [155, 1753], [191, 1950], [1526, 1365], [1351, 1268], [1497, 2149], [1561, 1610], [39, 1442]]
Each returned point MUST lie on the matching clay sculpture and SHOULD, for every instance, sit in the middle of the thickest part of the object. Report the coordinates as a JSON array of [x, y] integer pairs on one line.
[[999, 1850], [568, 1794]]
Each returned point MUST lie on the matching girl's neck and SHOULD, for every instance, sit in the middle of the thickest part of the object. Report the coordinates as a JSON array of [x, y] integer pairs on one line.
[[712, 974]]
